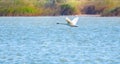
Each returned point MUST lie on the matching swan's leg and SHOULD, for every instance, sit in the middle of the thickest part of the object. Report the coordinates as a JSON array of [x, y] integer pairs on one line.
[[73, 26]]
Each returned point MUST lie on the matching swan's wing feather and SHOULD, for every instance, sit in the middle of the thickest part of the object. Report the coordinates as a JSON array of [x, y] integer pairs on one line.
[[68, 20], [75, 20]]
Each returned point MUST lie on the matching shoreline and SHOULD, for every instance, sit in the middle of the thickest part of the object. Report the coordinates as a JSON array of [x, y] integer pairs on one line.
[[55, 15], [86, 15]]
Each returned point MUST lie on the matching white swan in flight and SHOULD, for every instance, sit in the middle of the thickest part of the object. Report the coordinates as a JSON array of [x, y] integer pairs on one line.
[[72, 22]]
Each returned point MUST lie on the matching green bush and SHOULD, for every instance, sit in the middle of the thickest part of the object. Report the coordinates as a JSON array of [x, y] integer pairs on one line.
[[112, 12], [67, 9], [19, 11]]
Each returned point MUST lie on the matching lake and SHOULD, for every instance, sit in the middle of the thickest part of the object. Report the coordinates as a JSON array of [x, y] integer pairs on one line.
[[39, 40]]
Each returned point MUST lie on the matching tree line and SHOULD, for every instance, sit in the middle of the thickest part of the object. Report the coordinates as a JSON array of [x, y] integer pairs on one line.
[[59, 7]]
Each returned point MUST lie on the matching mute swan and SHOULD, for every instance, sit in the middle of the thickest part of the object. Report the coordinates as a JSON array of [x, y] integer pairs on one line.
[[72, 22]]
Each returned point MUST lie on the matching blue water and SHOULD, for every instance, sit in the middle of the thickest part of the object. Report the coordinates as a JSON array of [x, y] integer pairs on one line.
[[39, 40]]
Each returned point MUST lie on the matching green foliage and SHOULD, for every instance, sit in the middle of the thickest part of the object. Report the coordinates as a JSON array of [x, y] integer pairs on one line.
[[67, 9], [17, 8], [18, 11], [53, 7]]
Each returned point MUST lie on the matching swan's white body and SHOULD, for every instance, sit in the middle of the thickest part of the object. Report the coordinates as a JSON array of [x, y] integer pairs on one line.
[[72, 22]]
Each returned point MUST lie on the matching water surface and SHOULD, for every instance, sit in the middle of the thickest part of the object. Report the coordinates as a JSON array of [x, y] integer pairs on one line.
[[39, 40]]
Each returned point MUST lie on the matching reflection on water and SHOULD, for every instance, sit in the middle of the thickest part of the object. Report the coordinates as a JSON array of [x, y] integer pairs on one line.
[[39, 40]]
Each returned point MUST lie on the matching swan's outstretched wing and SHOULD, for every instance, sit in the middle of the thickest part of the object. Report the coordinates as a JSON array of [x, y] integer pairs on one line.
[[75, 20], [68, 20]]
